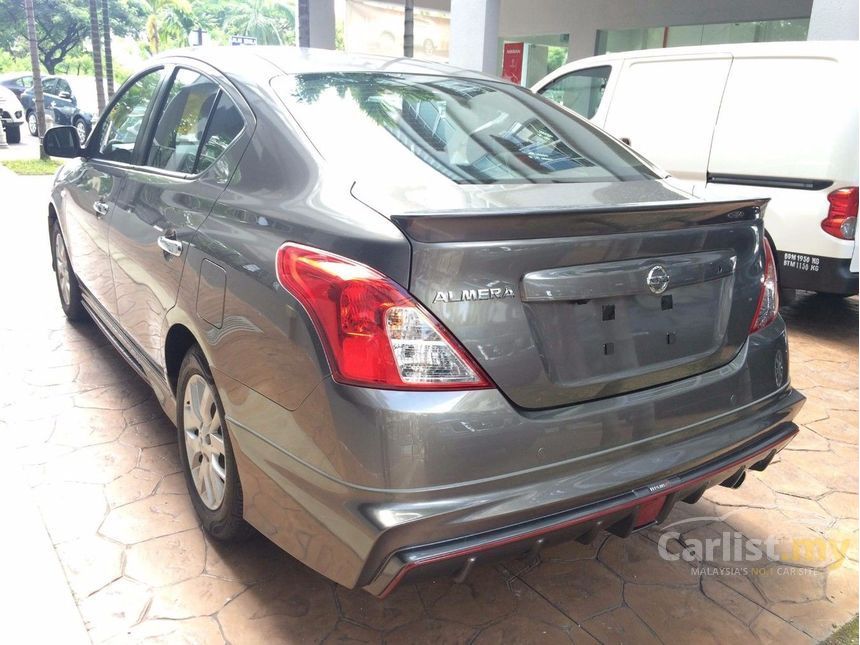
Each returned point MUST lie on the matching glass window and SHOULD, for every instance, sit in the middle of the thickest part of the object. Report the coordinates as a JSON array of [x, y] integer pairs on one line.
[[224, 126], [119, 129], [63, 86], [50, 86], [756, 31], [469, 131], [580, 91], [183, 122]]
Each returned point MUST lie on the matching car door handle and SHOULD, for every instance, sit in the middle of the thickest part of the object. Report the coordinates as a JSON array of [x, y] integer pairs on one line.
[[101, 208], [169, 244]]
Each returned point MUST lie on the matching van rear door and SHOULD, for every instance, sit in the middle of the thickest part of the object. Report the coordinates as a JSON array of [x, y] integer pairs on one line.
[[667, 108]]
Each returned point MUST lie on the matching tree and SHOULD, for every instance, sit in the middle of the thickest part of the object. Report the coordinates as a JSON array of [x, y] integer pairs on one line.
[[108, 52], [62, 26], [168, 23], [268, 21], [97, 55], [39, 97], [408, 28]]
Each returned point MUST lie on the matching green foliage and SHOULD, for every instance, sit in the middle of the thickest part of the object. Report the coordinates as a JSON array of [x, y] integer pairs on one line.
[[61, 26], [556, 57], [33, 166]]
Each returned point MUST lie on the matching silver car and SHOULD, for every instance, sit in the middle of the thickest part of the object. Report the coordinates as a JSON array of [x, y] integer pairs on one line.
[[407, 318]]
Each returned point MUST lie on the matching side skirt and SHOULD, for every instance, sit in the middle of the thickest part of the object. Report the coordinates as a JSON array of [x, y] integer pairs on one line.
[[133, 355]]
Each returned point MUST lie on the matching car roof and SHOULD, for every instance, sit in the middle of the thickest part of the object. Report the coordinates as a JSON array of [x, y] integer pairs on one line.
[[832, 48], [267, 61]]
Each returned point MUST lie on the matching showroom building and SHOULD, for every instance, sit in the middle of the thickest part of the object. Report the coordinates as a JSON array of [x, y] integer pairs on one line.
[[542, 34]]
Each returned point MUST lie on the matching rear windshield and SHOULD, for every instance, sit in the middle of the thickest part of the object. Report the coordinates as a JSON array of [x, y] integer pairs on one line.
[[471, 131]]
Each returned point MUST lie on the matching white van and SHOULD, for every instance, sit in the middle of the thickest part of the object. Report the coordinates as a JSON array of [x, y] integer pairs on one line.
[[776, 120]]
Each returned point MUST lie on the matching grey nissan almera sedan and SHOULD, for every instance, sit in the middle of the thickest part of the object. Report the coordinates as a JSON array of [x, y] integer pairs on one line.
[[409, 318]]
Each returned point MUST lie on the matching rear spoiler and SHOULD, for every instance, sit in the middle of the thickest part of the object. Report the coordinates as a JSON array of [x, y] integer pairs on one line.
[[497, 225]]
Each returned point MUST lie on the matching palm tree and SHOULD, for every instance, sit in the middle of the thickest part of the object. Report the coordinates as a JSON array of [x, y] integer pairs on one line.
[[39, 97], [408, 28], [108, 52], [97, 55], [265, 20], [168, 23], [304, 23]]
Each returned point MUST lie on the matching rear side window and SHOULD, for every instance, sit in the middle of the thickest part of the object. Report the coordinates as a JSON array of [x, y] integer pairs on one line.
[[197, 124], [580, 91], [224, 126], [470, 131], [120, 127]]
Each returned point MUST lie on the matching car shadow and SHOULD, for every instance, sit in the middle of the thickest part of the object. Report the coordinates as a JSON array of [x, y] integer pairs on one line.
[[823, 316]]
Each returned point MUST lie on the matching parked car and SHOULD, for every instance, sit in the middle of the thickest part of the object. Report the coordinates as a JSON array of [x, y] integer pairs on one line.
[[11, 115], [16, 82], [408, 318], [690, 111], [61, 103]]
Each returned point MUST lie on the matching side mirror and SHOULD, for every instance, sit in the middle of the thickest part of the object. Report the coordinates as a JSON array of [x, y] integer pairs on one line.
[[65, 95], [62, 141]]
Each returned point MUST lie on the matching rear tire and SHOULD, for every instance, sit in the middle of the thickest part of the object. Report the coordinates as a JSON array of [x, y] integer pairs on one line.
[[13, 134], [67, 283], [206, 452]]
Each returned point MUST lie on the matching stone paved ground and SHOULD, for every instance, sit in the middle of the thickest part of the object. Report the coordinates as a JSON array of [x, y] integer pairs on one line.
[[101, 459]]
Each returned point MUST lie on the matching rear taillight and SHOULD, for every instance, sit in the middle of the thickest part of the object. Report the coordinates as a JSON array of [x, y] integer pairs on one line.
[[841, 218], [375, 333], [768, 298]]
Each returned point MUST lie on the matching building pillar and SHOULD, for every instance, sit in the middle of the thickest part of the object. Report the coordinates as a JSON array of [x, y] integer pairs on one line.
[[833, 20], [475, 35], [320, 23]]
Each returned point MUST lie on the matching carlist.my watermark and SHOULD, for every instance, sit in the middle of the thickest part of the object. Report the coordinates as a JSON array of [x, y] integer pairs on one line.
[[730, 552]]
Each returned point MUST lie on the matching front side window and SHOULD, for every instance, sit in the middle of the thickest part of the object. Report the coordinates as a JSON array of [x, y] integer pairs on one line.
[[63, 86], [471, 131], [580, 91], [50, 86], [121, 126]]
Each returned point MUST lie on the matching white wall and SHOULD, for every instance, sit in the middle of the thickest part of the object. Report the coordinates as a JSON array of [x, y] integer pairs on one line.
[[834, 20], [583, 18]]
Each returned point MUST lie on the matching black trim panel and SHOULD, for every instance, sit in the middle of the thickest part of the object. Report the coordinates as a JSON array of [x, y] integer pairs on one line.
[[816, 273], [769, 182]]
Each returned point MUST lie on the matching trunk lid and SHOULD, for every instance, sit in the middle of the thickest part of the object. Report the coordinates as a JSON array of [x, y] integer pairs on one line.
[[564, 305]]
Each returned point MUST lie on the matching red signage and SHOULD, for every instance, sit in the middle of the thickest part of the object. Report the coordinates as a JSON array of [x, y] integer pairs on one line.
[[512, 62]]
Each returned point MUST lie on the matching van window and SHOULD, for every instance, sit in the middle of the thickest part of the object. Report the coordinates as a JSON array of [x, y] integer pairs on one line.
[[580, 91]]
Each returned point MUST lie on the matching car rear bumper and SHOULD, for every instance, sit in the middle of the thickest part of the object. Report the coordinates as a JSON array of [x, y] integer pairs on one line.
[[813, 273], [621, 515], [370, 487]]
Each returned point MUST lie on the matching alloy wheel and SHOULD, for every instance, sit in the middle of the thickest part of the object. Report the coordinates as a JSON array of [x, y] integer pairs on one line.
[[81, 127], [204, 441], [32, 124], [63, 273]]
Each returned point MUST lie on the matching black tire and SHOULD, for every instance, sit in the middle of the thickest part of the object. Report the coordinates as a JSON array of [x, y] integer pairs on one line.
[[72, 305], [13, 134], [34, 132], [224, 523]]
